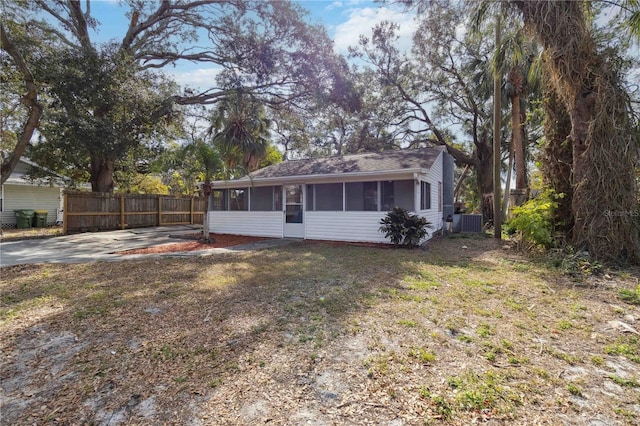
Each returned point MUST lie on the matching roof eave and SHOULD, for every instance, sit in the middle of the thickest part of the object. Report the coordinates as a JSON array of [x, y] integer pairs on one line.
[[303, 179]]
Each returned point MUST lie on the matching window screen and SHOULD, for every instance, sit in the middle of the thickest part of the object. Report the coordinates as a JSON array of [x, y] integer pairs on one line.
[[362, 196], [264, 198], [238, 199], [277, 198], [403, 194], [328, 197], [397, 193], [219, 200]]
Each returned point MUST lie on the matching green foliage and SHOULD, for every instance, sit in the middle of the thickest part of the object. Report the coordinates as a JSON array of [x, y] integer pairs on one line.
[[579, 262], [574, 389], [273, 156], [485, 391], [240, 132], [631, 296], [423, 355], [184, 166], [103, 115], [404, 228], [144, 184], [629, 347], [621, 381], [532, 223]]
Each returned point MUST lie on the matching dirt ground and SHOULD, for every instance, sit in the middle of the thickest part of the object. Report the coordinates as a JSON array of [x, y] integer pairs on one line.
[[195, 243], [465, 332]]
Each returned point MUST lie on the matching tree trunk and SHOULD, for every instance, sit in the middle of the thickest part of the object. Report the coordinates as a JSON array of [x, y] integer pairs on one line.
[[507, 186], [497, 158], [30, 99], [206, 192], [518, 143], [557, 160], [102, 175], [484, 176], [604, 152]]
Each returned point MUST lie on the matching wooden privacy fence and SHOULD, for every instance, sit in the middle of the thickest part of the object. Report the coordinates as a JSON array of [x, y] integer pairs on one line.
[[100, 211]]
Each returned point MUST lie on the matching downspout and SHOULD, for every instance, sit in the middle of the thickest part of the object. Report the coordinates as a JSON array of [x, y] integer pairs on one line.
[[416, 192]]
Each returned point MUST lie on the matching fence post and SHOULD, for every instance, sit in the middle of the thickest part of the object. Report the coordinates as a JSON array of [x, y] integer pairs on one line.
[[159, 210], [192, 201], [122, 216], [65, 218]]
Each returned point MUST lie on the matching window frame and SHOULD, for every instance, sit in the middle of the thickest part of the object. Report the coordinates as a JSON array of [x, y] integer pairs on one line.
[[246, 199], [366, 185], [425, 195]]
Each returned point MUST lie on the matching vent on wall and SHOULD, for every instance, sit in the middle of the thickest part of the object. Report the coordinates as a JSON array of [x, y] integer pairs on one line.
[[471, 223]]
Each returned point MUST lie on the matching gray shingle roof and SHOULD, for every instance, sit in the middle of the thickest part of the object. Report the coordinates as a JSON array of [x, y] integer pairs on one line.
[[370, 162]]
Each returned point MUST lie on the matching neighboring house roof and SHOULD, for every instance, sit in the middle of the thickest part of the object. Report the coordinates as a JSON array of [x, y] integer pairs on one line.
[[368, 164], [19, 176]]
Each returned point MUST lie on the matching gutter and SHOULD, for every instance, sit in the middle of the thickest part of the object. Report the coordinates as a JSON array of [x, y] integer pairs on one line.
[[304, 179]]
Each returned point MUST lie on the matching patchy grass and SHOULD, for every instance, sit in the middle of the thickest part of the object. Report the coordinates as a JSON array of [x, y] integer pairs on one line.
[[322, 333], [15, 234]]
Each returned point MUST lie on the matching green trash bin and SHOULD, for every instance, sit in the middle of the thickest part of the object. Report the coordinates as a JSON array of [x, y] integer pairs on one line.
[[40, 218], [23, 218]]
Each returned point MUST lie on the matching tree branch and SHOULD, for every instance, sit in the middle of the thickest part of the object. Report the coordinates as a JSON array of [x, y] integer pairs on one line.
[[30, 99], [80, 27]]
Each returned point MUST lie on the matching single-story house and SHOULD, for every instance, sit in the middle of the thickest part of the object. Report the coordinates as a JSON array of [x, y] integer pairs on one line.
[[339, 198], [20, 192]]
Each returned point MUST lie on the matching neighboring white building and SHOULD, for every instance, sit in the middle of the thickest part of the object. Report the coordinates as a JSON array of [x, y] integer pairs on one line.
[[338, 198], [19, 192]]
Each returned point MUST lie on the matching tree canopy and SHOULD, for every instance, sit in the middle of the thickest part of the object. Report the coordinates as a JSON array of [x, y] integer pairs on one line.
[[264, 47]]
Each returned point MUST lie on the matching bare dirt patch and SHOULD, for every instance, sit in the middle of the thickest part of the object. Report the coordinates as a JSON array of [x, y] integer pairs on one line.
[[196, 243], [464, 332]]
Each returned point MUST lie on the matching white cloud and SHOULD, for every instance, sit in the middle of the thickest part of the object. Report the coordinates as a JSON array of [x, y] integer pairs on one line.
[[201, 78], [338, 4], [362, 20]]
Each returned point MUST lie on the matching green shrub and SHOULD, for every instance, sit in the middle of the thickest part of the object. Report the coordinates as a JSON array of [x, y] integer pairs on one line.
[[580, 262], [532, 222], [631, 296], [405, 228]]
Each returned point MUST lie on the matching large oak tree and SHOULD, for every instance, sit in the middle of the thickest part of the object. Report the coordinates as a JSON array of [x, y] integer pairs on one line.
[[433, 92], [263, 47]]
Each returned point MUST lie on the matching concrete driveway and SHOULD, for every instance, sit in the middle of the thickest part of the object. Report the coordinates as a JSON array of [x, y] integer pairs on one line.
[[103, 246], [88, 247]]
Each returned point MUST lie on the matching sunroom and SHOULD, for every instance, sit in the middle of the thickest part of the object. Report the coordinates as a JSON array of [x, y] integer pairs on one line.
[[335, 198]]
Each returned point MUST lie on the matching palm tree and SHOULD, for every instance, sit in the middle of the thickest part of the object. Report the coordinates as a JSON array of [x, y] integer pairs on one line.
[[208, 158], [240, 131], [516, 60], [589, 87], [519, 61]]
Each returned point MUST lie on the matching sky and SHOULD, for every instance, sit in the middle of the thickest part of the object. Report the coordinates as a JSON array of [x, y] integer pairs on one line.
[[345, 21]]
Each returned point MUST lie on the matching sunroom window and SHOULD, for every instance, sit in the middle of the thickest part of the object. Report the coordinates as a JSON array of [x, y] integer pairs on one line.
[[324, 197], [361, 196], [397, 193], [219, 200], [238, 199], [266, 198]]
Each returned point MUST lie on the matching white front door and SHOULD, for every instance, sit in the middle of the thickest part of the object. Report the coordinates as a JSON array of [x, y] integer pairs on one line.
[[294, 211]]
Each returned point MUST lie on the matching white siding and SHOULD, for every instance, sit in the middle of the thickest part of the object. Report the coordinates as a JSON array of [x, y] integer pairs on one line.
[[29, 197], [344, 226], [433, 215], [259, 224], [354, 226]]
